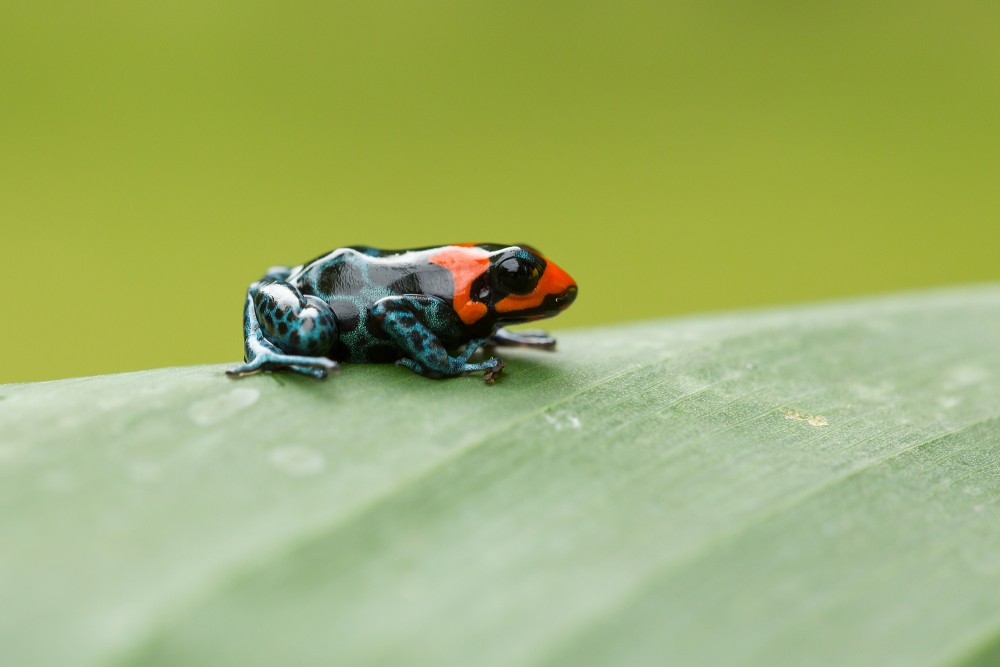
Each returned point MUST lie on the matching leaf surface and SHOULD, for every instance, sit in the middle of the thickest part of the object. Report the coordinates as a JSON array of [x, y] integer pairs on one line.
[[814, 485]]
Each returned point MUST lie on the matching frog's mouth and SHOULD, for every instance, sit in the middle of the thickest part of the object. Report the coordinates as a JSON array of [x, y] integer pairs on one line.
[[554, 292], [565, 298], [552, 304]]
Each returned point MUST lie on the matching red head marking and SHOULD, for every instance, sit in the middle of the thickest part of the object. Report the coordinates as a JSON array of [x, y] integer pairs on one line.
[[466, 263]]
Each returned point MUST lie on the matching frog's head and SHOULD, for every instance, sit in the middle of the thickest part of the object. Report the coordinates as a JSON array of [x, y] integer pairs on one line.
[[492, 283], [522, 285]]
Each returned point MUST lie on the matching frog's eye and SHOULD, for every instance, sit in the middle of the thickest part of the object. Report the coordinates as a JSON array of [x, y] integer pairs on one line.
[[519, 276]]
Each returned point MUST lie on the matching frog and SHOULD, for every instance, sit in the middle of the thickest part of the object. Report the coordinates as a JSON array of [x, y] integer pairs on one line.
[[427, 309]]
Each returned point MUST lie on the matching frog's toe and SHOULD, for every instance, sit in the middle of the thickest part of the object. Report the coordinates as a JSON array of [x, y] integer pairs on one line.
[[494, 371], [317, 367], [534, 333], [240, 371], [531, 338], [539, 339], [411, 364], [312, 371]]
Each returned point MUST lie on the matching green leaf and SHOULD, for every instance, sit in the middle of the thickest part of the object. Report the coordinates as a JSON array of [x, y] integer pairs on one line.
[[814, 485]]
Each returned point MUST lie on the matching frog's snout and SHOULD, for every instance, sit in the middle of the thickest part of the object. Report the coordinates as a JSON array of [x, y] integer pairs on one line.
[[566, 297]]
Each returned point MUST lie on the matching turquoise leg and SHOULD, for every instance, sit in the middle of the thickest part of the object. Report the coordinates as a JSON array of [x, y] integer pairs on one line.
[[284, 330], [403, 319]]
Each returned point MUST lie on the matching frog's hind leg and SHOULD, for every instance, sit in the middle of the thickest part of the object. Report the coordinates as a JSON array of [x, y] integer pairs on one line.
[[285, 330]]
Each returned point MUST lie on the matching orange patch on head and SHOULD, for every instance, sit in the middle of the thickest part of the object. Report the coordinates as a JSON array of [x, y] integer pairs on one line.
[[466, 263], [554, 281]]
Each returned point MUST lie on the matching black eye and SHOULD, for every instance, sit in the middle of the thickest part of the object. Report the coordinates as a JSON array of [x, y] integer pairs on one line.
[[518, 275]]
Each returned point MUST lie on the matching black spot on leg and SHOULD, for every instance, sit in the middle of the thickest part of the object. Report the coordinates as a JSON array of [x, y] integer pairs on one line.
[[283, 328], [294, 339], [375, 326]]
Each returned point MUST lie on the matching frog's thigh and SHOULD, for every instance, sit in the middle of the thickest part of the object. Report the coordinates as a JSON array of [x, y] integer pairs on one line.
[[398, 316], [285, 330], [296, 324]]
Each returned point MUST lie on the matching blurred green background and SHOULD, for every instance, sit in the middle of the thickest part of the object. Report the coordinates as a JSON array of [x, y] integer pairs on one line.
[[674, 157]]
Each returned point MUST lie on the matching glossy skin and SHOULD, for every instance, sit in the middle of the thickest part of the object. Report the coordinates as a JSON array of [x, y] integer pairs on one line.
[[428, 309]]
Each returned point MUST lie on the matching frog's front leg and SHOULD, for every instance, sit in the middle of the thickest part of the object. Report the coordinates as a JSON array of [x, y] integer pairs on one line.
[[529, 338], [403, 318], [285, 330]]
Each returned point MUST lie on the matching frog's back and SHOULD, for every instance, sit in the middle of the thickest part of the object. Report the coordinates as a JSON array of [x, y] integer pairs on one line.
[[352, 279], [369, 274]]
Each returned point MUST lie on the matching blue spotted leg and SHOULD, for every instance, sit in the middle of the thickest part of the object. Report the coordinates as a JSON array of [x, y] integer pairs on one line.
[[286, 330], [405, 320]]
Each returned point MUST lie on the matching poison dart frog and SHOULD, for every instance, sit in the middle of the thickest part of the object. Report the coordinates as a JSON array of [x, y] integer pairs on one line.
[[427, 309]]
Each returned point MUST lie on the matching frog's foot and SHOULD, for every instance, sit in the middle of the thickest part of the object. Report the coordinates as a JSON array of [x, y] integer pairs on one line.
[[492, 368], [317, 367], [492, 373], [533, 338]]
